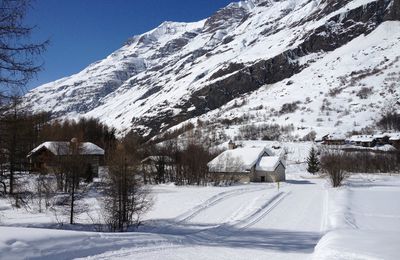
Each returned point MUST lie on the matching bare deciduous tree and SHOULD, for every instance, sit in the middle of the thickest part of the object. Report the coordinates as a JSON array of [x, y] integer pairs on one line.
[[126, 198], [17, 55], [71, 171], [333, 162]]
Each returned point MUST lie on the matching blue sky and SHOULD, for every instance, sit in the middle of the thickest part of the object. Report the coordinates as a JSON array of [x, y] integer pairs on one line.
[[84, 31]]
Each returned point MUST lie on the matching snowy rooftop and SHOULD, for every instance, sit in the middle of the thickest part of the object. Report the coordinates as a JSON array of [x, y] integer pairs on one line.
[[382, 135], [361, 138], [394, 136], [237, 160], [330, 136], [62, 148], [370, 138], [268, 163], [336, 136]]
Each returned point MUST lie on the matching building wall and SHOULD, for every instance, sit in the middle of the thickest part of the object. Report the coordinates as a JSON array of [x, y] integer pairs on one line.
[[277, 175], [47, 162], [234, 177], [334, 142]]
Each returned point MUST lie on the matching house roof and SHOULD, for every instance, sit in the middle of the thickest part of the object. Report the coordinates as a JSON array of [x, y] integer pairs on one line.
[[237, 160], [268, 163], [382, 135], [361, 138], [62, 148], [370, 138], [330, 136], [335, 136], [394, 137]]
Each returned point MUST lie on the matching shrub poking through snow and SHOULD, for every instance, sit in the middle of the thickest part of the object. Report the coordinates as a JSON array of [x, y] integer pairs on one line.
[[334, 163], [364, 92], [288, 108], [313, 161]]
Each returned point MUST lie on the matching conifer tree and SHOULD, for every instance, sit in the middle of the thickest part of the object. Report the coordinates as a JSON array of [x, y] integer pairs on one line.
[[313, 161]]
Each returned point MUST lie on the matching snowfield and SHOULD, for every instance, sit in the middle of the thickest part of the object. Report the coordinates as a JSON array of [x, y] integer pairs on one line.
[[363, 220], [304, 219]]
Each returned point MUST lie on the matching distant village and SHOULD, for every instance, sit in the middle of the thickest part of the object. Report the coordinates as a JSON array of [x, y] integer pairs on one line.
[[255, 163], [382, 142]]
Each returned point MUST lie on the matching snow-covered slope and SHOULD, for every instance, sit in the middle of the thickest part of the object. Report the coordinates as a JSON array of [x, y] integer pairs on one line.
[[335, 61]]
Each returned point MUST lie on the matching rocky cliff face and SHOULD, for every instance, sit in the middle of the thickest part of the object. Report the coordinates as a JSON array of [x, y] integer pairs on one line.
[[245, 51]]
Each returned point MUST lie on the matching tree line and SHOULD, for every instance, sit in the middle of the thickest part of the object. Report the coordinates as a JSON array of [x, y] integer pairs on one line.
[[338, 164], [69, 178], [181, 163]]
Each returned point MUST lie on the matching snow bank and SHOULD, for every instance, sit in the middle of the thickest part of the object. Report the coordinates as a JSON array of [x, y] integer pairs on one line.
[[362, 220], [32, 243], [350, 244]]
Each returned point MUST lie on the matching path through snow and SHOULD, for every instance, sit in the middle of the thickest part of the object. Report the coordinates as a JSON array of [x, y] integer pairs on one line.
[[258, 222]]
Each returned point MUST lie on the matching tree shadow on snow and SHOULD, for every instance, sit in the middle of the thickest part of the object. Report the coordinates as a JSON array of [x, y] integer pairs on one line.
[[231, 236]]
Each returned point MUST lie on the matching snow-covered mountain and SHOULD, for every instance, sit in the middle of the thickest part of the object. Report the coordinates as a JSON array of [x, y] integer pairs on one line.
[[317, 64]]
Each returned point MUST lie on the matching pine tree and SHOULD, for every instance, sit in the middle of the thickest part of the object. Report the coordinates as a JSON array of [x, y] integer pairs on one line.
[[313, 161]]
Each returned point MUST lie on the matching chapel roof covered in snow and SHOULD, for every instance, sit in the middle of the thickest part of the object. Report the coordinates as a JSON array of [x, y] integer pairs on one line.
[[63, 148], [268, 163], [238, 160]]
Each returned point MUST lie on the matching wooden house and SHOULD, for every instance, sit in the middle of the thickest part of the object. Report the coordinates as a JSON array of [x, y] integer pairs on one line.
[[47, 156], [382, 139], [334, 139], [363, 140], [255, 164]]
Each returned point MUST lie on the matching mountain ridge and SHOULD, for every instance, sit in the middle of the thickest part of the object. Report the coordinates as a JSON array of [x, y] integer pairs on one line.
[[178, 72]]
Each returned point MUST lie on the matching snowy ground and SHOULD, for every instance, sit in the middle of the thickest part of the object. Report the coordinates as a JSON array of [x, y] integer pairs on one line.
[[304, 219]]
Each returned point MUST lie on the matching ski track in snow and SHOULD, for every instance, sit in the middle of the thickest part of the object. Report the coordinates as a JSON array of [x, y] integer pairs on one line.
[[212, 202], [218, 233], [263, 212], [247, 218]]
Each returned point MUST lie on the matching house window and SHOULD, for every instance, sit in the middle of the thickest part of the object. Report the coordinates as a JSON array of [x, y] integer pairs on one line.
[[262, 178]]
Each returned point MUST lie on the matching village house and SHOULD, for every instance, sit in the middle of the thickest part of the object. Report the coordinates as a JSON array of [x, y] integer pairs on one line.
[[333, 139], [255, 164], [362, 140], [47, 156], [382, 139], [394, 140]]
